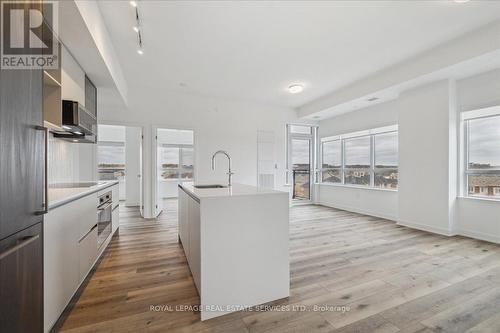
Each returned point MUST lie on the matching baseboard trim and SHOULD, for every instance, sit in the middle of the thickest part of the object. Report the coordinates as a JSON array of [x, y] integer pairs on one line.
[[361, 211], [424, 227], [479, 235]]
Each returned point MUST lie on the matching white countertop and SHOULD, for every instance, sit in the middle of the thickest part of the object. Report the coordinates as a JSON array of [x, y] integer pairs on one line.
[[234, 190], [62, 194]]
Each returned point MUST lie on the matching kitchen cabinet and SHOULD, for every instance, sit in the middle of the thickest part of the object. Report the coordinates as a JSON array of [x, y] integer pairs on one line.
[[63, 228], [189, 233], [21, 281], [183, 221], [22, 157], [72, 78], [194, 240], [90, 97], [115, 219], [87, 249]]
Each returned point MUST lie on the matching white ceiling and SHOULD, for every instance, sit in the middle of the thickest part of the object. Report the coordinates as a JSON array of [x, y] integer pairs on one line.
[[253, 50]]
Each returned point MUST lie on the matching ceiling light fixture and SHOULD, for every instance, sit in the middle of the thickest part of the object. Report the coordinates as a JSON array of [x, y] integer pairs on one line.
[[461, 1], [133, 3], [295, 88], [137, 28]]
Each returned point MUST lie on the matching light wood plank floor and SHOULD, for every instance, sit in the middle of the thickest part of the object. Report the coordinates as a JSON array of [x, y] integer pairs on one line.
[[370, 274]]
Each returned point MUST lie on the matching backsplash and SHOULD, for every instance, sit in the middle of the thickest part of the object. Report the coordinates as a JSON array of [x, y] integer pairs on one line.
[[71, 162]]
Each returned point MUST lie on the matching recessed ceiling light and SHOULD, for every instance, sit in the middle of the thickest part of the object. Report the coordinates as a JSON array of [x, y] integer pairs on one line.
[[140, 51], [136, 28], [295, 88], [75, 140], [133, 3], [461, 1]]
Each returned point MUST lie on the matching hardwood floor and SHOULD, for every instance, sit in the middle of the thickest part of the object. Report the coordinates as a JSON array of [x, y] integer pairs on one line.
[[368, 274]]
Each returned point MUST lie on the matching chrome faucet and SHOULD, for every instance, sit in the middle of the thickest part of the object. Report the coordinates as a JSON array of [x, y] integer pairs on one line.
[[229, 173]]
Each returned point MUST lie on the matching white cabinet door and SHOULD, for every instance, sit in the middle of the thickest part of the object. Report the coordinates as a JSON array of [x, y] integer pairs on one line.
[[115, 220], [63, 227], [61, 268], [116, 195], [194, 241], [183, 221], [87, 248], [72, 78]]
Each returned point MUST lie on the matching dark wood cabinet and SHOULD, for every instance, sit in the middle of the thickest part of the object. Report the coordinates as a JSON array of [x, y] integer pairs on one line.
[[22, 150], [21, 282]]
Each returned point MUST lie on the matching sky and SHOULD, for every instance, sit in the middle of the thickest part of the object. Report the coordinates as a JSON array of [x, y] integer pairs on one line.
[[358, 150], [484, 141]]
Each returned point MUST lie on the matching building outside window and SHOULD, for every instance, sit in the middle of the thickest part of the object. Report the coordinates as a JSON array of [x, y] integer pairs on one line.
[[482, 152], [367, 158]]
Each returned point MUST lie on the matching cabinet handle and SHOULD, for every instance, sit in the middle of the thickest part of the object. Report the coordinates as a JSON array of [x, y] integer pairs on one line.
[[45, 171], [87, 233], [25, 241]]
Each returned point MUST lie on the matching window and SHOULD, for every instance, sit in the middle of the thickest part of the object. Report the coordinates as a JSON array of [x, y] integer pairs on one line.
[[331, 168], [357, 161], [367, 158], [482, 169], [176, 162], [386, 160], [302, 167], [111, 160]]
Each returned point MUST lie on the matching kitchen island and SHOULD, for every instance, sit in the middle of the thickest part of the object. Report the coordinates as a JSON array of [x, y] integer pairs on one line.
[[236, 243]]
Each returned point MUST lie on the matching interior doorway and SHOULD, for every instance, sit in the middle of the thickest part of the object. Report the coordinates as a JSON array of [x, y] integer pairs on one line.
[[174, 165], [119, 157]]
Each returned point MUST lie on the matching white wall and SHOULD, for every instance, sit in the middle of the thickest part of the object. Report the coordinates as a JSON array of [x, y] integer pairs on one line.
[[424, 158], [132, 165], [475, 217], [429, 147], [380, 203], [111, 133], [218, 124]]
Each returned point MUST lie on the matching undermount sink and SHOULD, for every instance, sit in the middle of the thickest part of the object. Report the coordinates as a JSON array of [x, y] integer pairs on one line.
[[209, 186]]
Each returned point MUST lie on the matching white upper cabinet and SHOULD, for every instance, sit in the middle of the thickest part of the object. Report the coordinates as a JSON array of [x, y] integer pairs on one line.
[[72, 78]]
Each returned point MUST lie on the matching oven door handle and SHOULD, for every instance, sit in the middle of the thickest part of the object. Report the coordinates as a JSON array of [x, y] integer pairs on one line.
[[106, 206]]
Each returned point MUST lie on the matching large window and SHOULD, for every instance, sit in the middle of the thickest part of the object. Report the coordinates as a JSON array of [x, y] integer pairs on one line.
[[332, 162], [111, 160], [386, 160], [176, 162], [482, 153], [357, 161], [368, 158]]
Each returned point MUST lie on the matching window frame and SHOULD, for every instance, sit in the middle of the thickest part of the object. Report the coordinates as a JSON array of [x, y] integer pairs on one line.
[[372, 169], [492, 112]]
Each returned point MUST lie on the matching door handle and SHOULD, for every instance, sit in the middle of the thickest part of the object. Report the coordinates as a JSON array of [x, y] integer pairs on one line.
[[24, 241], [45, 171]]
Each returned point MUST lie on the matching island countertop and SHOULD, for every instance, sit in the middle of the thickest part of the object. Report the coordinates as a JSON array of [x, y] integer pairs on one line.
[[234, 190]]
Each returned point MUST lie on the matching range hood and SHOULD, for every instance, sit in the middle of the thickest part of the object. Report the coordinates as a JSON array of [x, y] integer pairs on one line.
[[79, 124]]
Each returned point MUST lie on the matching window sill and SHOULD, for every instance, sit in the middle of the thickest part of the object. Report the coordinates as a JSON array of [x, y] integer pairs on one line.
[[479, 199], [359, 187]]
